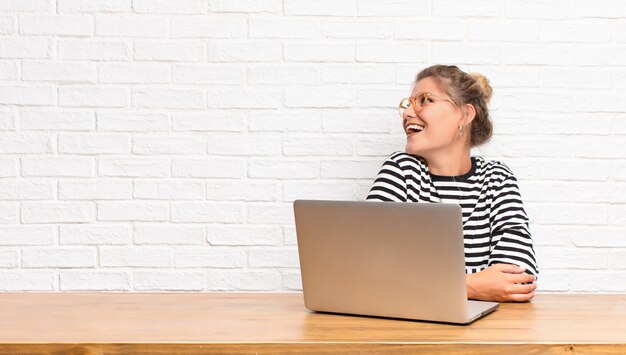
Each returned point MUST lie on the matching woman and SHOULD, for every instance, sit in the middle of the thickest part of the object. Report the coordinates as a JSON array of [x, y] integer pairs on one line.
[[445, 116]]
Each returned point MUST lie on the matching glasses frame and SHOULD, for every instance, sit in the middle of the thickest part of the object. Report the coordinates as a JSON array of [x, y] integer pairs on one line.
[[418, 107]]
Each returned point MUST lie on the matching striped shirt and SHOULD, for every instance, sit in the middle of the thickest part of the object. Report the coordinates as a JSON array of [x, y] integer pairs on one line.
[[495, 225]]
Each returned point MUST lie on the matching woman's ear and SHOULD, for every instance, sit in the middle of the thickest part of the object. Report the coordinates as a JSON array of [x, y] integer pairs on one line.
[[469, 113]]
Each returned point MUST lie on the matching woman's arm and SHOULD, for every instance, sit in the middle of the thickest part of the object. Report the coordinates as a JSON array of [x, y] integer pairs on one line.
[[501, 283], [390, 184]]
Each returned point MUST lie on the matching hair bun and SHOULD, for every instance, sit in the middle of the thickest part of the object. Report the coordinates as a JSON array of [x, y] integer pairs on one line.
[[484, 84]]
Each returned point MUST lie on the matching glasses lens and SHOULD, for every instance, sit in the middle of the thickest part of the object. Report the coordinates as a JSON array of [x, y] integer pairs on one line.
[[404, 104]]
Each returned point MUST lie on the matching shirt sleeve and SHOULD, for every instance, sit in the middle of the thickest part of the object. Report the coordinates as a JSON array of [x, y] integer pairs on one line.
[[511, 241], [390, 183]]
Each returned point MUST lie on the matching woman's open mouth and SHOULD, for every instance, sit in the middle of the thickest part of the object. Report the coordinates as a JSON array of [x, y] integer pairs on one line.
[[413, 129]]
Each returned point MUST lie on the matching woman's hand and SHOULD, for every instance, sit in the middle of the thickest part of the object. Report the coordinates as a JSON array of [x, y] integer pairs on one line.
[[501, 283]]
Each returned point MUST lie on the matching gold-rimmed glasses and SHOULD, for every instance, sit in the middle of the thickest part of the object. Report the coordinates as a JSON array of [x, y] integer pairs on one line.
[[420, 101]]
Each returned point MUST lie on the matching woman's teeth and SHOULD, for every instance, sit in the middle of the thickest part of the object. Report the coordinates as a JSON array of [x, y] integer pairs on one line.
[[413, 128]]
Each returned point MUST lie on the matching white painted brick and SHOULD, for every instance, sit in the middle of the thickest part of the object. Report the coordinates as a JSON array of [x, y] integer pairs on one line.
[[472, 8], [241, 190], [435, 29], [283, 28], [95, 189], [131, 25], [292, 280], [133, 167], [582, 123], [27, 5], [168, 234], [244, 51], [27, 235], [168, 98], [26, 190], [539, 55], [618, 80], [243, 98], [599, 281], [289, 233], [326, 51], [569, 78], [349, 168], [8, 70], [563, 191], [248, 6], [142, 73], [178, 51], [169, 280], [509, 76], [208, 74], [8, 167], [283, 169], [57, 120], [132, 122], [136, 257], [209, 120], [9, 212], [453, 53], [270, 213], [243, 280], [170, 6], [314, 97], [243, 235], [543, 101], [90, 96], [94, 281], [392, 52], [503, 30], [599, 147], [380, 147], [619, 171], [27, 281], [617, 215], [379, 29], [604, 103], [58, 257], [93, 6], [516, 125], [301, 74], [318, 145], [536, 147], [553, 281], [206, 212], [575, 31], [537, 9], [9, 259], [208, 168], [617, 260], [569, 213], [274, 257], [318, 190], [293, 121], [358, 74], [593, 237], [384, 98], [320, 8], [62, 25], [132, 211], [57, 212], [97, 50], [208, 27], [168, 190], [601, 9], [27, 95], [248, 144], [58, 167], [358, 121], [393, 8], [551, 235], [619, 32], [7, 25], [94, 143], [179, 145], [210, 257], [569, 169], [94, 234], [597, 55], [25, 47]]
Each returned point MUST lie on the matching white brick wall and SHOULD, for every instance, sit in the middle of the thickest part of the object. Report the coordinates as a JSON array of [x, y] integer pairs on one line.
[[154, 145]]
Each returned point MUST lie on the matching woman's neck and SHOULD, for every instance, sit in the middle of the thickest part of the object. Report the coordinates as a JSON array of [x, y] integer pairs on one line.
[[447, 164]]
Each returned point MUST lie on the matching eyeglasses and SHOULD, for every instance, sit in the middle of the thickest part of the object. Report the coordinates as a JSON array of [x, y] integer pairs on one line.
[[420, 101]]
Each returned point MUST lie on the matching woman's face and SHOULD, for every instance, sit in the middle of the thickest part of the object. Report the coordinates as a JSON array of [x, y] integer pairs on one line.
[[439, 118]]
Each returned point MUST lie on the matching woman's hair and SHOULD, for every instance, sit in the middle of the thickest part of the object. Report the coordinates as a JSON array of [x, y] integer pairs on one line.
[[464, 88]]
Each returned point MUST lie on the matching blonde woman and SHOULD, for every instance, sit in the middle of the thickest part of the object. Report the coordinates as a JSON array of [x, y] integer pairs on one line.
[[445, 116]]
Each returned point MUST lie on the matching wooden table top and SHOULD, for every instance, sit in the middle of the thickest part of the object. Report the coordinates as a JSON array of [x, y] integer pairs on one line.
[[280, 318]]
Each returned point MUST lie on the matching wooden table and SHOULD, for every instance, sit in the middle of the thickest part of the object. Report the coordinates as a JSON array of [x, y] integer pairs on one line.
[[228, 323]]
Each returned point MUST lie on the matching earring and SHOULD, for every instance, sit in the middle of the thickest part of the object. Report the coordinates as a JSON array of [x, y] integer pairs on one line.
[[461, 130]]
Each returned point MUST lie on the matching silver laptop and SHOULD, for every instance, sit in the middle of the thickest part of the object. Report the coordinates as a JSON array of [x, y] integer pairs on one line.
[[386, 259]]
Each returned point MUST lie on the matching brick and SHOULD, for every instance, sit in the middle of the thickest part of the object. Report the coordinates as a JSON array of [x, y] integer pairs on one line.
[[599, 147], [358, 74], [380, 147], [542, 101], [357, 121], [9, 259], [436, 29], [399, 8], [556, 55], [283, 169], [473, 8], [241, 190], [292, 281], [26, 190], [293, 121], [208, 27], [379, 29], [336, 97], [142, 73], [9, 213], [7, 25], [569, 213], [209, 120], [570, 170], [90, 96], [575, 31], [247, 144], [208, 168], [206, 212], [93, 6], [273, 74], [325, 190], [57, 212], [601, 9], [170, 6], [536, 147], [270, 213], [27, 95], [598, 55], [24, 48], [131, 122], [208, 74], [95, 189], [168, 190], [554, 281], [27, 235], [57, 120], [61, 25], [168, 234], [510, 76], [283, 28], [210, 257], [179, 51], [115, 25], [319, 8], [383, 98], [168, 98], [169, 280], [246, 6], [8, 70], [317, 145], [349, 168], [582, 123], [8, 167], [283, 257], [589, 237], [243, 235], [94, 143], [27, 281], [179, 145], [244, 51], [466, 54], [58, 257], [137, 211], [133, 167], [503, 30], [92, 49], [27, 6], [94, 281], [537, 9], [598, 280], [603, 103], [243, 280], [243, 98], [327, 51], [117, 256], [392, 52], [58, 167], [94, 234], [617, 215]]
